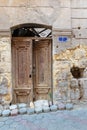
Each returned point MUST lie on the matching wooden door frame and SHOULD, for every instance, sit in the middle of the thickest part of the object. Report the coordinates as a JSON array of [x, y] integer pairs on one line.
[[33, 39]]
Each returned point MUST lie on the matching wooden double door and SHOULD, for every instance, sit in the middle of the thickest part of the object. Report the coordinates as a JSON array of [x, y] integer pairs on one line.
[[31, 69]]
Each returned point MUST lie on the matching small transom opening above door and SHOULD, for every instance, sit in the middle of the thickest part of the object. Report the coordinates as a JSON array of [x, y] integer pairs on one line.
[[31, 30], [31, 62]]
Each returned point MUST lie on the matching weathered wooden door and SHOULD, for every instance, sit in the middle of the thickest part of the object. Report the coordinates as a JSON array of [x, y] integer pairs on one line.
[[42, 69], [22, 69]]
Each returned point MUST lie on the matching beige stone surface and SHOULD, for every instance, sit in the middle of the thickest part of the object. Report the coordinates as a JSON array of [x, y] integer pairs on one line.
[[79, 4], [5, 68], [77, 42], [61, 70], [5, 56], [63, 19], [40, 16], [4, 19], [17, 15], [79, 13], [80, 33], [46, 3], [82, 23], [13, 2], [47, 12], [65, 3]]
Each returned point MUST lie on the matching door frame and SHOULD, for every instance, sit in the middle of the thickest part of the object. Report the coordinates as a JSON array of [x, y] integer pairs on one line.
[[33, 39]]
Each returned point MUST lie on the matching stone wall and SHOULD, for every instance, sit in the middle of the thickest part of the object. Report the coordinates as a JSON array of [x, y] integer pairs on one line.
[[73, 52], [63, 62], [5, 70], [50, 12]]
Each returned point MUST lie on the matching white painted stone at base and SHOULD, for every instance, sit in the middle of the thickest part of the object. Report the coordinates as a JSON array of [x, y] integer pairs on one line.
[[14, 112], [23, 110], [22, 105], [38, 110], [12, 107], [46, 109], [6, 112], [41, 103], [69, 106], [30, 111], [53, 108], [61, 106]]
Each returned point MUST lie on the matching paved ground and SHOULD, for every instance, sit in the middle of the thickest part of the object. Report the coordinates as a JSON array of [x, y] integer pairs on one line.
[[60, 120]]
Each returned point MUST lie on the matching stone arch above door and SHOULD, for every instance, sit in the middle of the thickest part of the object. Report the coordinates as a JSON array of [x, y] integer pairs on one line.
[[31, 30]]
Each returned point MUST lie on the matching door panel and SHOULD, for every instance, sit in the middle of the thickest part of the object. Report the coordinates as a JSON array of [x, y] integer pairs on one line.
[[22, 69], [42, 69]]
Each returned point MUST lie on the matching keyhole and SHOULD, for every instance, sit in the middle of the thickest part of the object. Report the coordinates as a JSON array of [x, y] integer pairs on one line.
[[30, 76]]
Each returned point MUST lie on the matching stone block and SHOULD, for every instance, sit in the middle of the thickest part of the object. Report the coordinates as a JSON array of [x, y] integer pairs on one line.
[[61, 106], [79, 4], [30, 111], [65, 20], [79, 13], [81, 24], [6, 56], [53, 108], [6, 112], [12, 107], [65, 3], [41, 103], [74, 83], [63, 84], [4, 86], [23, 110], [69, 106], [46, 109], [13, 3], [38, 110], [80, 33], [14, 112], [46, 3], [22, 105]]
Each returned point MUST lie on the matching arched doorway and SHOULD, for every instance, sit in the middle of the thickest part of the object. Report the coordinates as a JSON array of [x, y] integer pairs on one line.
[[31, 62]]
